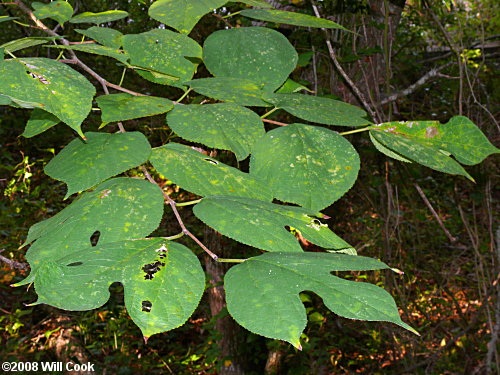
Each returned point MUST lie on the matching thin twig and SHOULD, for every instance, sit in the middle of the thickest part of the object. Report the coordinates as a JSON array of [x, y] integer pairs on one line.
[[12, 263], [434, 213], [274, 122]]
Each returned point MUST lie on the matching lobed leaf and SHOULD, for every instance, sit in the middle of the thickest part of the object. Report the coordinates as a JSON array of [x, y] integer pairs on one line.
[[290, 18], [316, 109], [83, 164], [118, 209], [48, 85], [182, 15], [120, 107], [98, 18], [261, 55], [163, 281], [308, 165], [39, 122], [61, 11], [163, 51], [104, 35], [232, 90], [223, 125], [203, 175], [263, 292], [262, 224]]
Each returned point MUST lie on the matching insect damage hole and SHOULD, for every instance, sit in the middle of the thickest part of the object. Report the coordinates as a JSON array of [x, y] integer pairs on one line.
[[211, 161], [146, 306], [151, 269], [94, 239], [74, 264]]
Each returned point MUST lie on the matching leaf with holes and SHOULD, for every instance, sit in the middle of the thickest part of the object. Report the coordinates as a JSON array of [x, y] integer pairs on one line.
[[19, 44], [163, 281], [223, 125], [163, 51], [103, 35], [321, 110], [53, 86], [290, 18], [202, 175], [263, 292], [182, 15], [39, 122], [83, 164], [98, 18], [232, 90], [262, 224], [430, 143], [309, 165], [263, 56], [116, 210], [61, 11], [97, 49], [120, 107]]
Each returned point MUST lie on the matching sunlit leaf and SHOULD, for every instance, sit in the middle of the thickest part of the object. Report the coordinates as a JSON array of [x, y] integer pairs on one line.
[[83, 164], [61, 11], [289, 18], [263, 292], [98, 18], [224, 126], [19, 44], [97, 49], [290, 86], [261, 55], [103, 35], [163, 281], [308, 165], [203, 175], [262, 224]]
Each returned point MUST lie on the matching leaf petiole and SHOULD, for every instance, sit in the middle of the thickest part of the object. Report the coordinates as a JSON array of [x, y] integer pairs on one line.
[[356, 130], [188, 203]]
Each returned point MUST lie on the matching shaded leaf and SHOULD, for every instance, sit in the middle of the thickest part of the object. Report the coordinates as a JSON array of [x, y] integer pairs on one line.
[[97, 49], [159, 299], [52, 86], [308, 165], [83, 164], [233, 90], [119, 209], [258, 54], [120, 107], [103, 35], [165, 52], [262, 224], [19, 44], [386, 151], [182, 15], [263, 292], [98, 18], [7, 18], [224, 126], [203, 175], [39, 122], [256, 3], [61, 11], [290, 18], [321, 110]]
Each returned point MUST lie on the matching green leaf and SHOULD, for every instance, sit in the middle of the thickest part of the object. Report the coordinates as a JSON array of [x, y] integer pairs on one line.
[[425, 141], [308, 165], [163, 281], [97, 49], [256, 3], [19, 44], [203, 175], [182, 15], [39, 122], [103, 35], [384, 150], [233, 90], [290, 18], [119, 209], [224, 126], [120, 107], [316, 109], [258, 54], [50, 85], [262, 224], [83, 164], [7, 18], [291, 86], [61, 11], [98, 18], [263, 292], [165, 52]]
